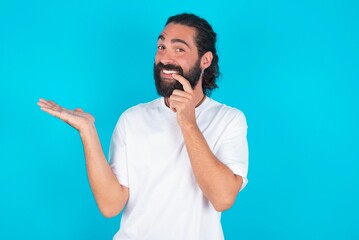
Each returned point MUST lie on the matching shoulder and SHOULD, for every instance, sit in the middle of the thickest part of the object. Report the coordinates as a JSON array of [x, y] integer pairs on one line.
[[227, 113], [138, 111]]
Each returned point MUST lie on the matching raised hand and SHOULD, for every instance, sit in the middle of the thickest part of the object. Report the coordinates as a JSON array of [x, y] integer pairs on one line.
[[77, 118], [183, 102]]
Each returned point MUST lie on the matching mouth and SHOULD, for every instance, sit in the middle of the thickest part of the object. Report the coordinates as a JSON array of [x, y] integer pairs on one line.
[[167, 74], [165, 71]]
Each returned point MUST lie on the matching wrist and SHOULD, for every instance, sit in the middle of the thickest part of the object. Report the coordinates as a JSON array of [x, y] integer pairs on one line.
[[88, 130], [189, 127]]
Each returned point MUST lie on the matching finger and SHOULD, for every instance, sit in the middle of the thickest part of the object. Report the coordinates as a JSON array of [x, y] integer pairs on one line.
[[52, 103], [177, 104], [177, 92], [63, 115], [52, 112], [78, 110], [46, 106], [43, 102], [185, 83], [172, 106], [177, 98]]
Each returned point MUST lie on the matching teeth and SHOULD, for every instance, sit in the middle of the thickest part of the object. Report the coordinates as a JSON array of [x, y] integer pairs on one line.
[[168, 71]]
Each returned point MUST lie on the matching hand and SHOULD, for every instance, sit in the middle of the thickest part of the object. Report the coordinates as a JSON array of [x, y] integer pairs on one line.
[[183, 102], [77, 118]]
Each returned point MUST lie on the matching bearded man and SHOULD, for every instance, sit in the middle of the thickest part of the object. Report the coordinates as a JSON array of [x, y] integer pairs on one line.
[[178, 161]]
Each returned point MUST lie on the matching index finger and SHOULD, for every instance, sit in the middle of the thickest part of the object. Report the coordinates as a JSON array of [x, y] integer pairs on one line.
[[185, 83]]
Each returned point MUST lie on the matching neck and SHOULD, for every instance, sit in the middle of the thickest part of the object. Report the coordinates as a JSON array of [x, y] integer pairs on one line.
[[201, 100]]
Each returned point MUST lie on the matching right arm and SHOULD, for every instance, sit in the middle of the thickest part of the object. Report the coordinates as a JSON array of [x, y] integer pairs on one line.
[[109, 194]]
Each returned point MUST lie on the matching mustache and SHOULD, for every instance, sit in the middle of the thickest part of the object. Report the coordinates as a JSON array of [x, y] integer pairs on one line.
[[170, 67]]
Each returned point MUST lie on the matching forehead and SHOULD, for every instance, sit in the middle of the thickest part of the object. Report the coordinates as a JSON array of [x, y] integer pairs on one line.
[[178, 31]]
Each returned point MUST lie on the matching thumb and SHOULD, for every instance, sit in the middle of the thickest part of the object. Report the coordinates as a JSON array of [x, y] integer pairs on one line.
[[79, 110]]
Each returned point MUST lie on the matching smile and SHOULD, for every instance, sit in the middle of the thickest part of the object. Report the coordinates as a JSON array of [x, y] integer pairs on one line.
[[168, 71]]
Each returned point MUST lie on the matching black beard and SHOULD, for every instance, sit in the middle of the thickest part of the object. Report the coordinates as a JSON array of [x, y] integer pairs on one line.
[[165, 88]]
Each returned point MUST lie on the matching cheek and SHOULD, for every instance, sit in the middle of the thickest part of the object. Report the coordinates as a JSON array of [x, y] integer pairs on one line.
[[186, 65], [157, 58]]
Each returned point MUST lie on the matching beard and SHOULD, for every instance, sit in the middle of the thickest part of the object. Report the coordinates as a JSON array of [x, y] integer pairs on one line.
[[165, 88]]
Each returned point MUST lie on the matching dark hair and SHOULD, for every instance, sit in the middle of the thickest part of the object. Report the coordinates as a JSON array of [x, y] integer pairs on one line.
[[205, 40]]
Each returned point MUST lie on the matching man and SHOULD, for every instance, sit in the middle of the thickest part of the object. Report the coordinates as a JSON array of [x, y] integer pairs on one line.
[[176, 162]]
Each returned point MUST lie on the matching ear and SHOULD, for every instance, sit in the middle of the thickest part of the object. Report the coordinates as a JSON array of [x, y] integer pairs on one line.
[[206, 60]]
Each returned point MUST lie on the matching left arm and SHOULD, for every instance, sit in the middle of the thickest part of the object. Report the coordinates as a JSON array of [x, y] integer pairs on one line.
[[217, 182]]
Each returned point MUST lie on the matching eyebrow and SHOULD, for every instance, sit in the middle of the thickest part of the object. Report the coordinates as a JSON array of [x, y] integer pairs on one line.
[[175, 40]]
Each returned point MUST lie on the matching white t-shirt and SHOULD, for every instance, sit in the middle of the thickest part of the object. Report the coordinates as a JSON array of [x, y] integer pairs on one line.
[[148, 155]]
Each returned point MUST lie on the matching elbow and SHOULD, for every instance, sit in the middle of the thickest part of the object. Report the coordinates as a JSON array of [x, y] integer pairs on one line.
[[111, 207], [226, 199], [224, 203], [109, 211]]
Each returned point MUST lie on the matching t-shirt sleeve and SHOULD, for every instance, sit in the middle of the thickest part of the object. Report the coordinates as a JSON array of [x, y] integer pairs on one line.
[[233, 150], [117, 153]]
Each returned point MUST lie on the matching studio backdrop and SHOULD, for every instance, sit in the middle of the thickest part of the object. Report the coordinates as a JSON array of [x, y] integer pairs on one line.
[[292, 67]]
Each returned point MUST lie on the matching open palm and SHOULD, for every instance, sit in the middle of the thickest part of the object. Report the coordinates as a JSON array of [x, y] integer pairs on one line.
[[76, 118]]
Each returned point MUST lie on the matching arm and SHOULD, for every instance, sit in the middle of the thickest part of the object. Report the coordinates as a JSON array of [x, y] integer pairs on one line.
[[109, 194], [217, 182]]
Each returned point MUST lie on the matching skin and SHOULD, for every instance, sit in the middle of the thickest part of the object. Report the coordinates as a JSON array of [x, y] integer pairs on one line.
[[218, 183], [109, 194]]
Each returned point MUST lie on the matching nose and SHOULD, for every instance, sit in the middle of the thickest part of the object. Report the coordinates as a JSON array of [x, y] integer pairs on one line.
[[165, 57], [166, 61]]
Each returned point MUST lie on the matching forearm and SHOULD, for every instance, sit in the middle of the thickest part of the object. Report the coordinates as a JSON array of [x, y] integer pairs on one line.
[[217, 182], [109, 194]]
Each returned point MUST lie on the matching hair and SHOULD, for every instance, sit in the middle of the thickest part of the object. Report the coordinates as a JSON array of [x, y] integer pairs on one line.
[[205, 40]]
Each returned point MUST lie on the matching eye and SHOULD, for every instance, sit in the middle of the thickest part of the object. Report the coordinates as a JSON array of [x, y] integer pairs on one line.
[[160, 47], [179, 50]]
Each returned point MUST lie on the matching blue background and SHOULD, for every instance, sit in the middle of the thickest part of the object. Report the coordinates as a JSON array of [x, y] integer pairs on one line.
[[291, 66]]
